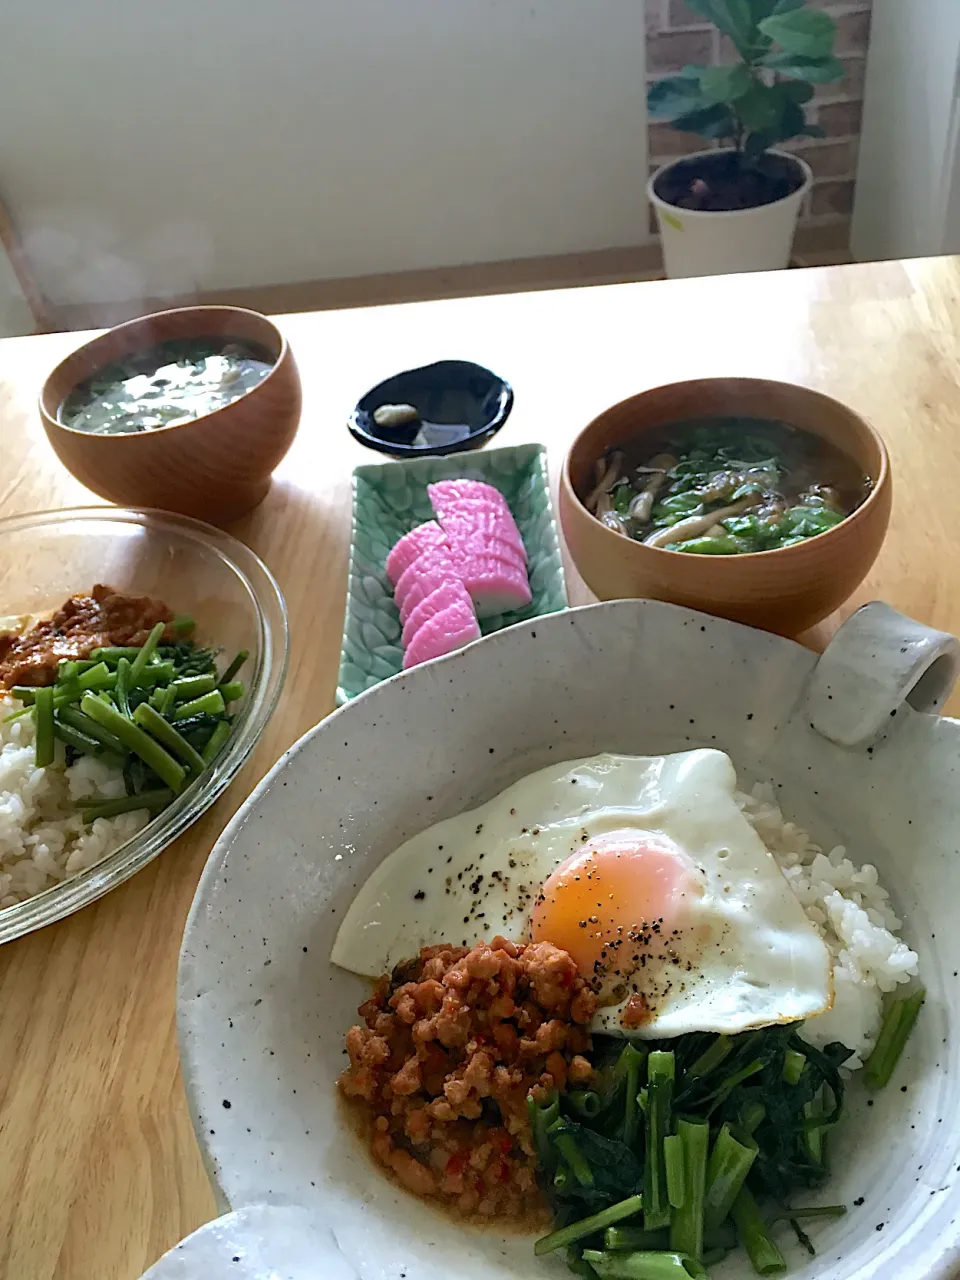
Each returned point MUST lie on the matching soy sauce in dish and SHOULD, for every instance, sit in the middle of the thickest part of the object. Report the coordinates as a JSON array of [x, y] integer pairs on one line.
[[172, 382], [726, 486]]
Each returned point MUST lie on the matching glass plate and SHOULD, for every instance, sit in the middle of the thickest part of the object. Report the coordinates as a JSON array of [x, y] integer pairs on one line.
[[196, 569]]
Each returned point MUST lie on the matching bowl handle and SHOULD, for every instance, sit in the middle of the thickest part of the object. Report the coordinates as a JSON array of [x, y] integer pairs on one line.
[[878, 660]]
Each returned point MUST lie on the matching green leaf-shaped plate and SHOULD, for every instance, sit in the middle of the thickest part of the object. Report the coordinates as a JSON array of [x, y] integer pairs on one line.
[[388, 501]]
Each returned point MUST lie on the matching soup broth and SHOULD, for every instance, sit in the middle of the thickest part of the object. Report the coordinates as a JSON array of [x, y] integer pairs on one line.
[[726, 486], [172, 382]]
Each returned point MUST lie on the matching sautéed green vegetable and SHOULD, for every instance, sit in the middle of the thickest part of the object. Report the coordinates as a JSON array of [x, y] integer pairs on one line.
[[172, 382], [727, 486], [688, 1149], [163, 712]]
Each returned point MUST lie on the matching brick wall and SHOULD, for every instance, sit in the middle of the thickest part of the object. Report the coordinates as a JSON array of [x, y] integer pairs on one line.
[[676, 35]]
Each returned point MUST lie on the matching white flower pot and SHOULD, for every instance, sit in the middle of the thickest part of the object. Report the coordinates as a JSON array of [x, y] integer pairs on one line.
[[700, 242]]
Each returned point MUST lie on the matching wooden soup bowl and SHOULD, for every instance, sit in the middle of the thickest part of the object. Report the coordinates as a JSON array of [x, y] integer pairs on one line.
[[215, 467], [785, 590]]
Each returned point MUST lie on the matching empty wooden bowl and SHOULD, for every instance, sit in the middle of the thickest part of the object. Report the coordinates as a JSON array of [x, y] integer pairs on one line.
[[785, 590], [214, 467]]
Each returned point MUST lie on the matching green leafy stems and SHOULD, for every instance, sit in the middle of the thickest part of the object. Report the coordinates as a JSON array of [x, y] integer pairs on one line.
[[159, 712], [683, 1150], [785, 49]]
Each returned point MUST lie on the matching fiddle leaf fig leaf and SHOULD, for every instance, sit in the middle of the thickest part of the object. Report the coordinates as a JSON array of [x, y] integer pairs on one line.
[[805, 31], [733, 17], [710, 122], [801, 67], [760, 9], [796, 90], [674, 96], [725, 84], [761, 109]]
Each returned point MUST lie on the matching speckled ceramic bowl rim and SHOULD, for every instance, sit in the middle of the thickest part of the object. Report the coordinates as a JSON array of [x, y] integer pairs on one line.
[[265, 686], [51, 417], [722, 564]]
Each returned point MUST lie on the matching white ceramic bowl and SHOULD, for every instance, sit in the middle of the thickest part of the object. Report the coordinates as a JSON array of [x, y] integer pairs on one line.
[[262, 1013]]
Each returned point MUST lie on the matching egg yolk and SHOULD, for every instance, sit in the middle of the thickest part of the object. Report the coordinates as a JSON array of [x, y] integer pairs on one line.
[[620, 896]]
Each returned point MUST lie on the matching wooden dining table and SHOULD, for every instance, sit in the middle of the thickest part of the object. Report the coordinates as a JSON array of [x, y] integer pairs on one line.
[[100, 1172]]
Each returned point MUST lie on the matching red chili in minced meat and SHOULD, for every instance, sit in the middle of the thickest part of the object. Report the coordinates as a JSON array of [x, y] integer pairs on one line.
[[452, 1044]]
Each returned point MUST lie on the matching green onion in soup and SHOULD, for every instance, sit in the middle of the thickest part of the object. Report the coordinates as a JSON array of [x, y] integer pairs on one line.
[[166, 384], [726, 486]]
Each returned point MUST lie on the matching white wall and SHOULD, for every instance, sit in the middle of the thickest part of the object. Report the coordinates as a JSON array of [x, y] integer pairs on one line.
[[951, 221], [15, 314], [156, 146], [910, 149]]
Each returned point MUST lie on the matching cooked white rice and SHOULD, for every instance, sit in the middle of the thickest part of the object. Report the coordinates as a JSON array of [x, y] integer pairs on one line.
[[851, 909], [43, 839]]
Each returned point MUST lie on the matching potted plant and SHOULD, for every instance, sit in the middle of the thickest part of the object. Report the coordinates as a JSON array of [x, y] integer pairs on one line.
[[735, 208]]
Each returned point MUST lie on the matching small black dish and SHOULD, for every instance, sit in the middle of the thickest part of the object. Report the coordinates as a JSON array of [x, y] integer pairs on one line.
[[461, 405]]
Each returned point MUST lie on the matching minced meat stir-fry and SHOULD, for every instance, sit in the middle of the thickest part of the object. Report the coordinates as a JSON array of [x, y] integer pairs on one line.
[[100, 620], [451, 1048]]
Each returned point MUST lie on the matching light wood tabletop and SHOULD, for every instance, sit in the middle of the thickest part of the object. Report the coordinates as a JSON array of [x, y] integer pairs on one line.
[[99, 1169]]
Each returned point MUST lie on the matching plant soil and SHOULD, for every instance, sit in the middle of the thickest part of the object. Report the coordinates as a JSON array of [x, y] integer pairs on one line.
[[727, 181]]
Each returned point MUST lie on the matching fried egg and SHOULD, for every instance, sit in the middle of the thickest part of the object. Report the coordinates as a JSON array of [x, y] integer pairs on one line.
[[643, 868]]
